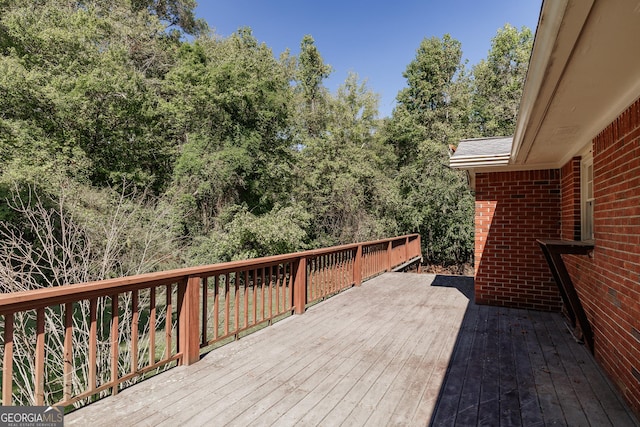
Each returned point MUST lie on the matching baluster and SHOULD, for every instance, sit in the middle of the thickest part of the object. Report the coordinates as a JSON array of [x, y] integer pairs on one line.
[[39, 368], [277, 280], [168, 324], [67, 373], [236, 303], [329, 273], [226, 304], [246, 298], [7, 366], [134, 331], [343, 270], [270, 293], [335, 272], [216, 307], [312, 281], [115, 342], [93, 342], [262, 274], [291, 281], [205, 292], [255, 296], [320, 274], [152, 325]]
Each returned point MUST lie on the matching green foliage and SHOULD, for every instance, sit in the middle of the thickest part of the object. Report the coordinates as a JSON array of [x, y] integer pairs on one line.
[[242, 153], [79, 77], [342, 177], [499, 80], [233, 105], [245, 235], [310, 73], [433, 111], [176, 13], [439, 205]]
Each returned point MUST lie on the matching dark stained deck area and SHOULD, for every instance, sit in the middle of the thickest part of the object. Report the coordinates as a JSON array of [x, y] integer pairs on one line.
[[402, 349]]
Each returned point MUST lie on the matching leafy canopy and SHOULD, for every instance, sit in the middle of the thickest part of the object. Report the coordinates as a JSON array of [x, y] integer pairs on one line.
[[238, 151]]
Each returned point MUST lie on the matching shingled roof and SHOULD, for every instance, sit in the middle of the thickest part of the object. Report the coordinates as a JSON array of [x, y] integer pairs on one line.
[[482, 152]]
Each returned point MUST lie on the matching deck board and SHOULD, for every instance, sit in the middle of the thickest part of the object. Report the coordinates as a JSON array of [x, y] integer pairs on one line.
[[402, 349], [534, 374], [530, 411]]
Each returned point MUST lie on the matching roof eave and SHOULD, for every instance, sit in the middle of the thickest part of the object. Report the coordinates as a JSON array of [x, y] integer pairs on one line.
[[475, 162], [549, 24]]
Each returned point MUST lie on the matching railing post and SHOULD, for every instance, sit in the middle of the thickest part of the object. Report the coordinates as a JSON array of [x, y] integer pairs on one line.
[[418, 244], [188, 320], [406, 249], [300, 285], [357, 267], [389, 251], [39, 374], [7, 369]]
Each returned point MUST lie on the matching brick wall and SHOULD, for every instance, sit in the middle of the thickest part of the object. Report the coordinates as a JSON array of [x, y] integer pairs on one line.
[[609, 283], [513, 209], [570, 201]]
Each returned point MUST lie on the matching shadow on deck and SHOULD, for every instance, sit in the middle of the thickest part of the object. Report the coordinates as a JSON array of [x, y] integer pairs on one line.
[[522, 368], [402, 349]]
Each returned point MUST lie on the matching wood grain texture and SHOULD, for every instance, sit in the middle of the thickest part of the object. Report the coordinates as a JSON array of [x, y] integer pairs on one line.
[[402, 349], [523, 368]]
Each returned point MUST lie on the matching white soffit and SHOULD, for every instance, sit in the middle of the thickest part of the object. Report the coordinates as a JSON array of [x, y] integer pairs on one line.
[[584, 71]]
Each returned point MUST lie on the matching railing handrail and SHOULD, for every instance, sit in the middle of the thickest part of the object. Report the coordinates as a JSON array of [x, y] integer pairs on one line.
[[273, 286], [37, 298]]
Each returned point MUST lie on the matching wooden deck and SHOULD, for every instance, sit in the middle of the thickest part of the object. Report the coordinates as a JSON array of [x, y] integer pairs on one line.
[[402, 349]]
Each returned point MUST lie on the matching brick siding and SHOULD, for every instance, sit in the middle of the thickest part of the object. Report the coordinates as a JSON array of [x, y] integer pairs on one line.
[[609, 283], [570, 207], [513, 209]]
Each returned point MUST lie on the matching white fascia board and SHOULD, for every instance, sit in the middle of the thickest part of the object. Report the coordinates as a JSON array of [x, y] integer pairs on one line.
[[481, 156], [479, 162], [549, 24]]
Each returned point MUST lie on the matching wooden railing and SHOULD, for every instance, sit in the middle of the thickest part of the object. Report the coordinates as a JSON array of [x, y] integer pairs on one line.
[[66, 345]]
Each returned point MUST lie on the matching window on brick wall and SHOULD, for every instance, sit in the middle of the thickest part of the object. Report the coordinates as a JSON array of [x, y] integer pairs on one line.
[[587, 199]]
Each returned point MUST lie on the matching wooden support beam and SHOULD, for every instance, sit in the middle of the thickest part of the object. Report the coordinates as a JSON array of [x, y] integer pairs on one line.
[[39, 371], [553, 250], [7, 362], [357, 267], [188, 320], [135, 317], [300, 285], [93, 344], [115, 344], [67, 373]]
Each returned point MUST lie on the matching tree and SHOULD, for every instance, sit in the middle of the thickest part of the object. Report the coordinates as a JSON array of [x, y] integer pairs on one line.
[[81, 86], [342, 172], [176, 13], [243, 143], [310, 73], [432, 112], [437, 95], [78, 235], [499, 80], [231, 105]]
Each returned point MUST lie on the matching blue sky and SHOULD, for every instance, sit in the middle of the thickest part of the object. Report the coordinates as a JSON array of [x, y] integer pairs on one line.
[[375, 39]]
